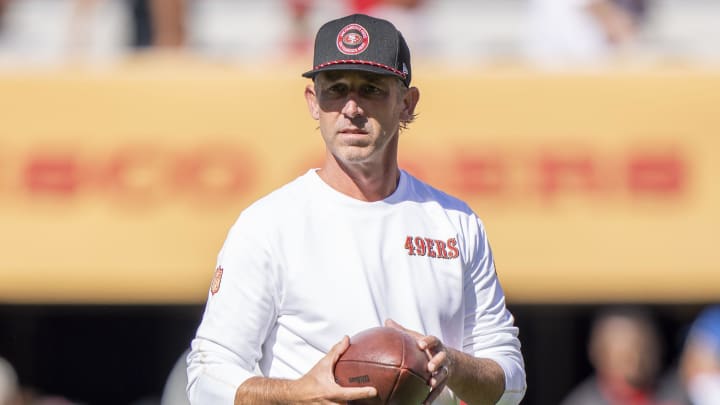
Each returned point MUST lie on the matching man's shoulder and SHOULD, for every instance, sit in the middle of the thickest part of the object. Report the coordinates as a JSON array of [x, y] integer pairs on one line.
[[288, 197], [423, 192]]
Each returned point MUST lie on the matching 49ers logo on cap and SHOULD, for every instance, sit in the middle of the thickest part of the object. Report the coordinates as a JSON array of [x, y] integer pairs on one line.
[[353, 39]]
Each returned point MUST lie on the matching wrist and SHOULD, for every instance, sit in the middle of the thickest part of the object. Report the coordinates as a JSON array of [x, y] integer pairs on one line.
[[264, 390], [453, 362]]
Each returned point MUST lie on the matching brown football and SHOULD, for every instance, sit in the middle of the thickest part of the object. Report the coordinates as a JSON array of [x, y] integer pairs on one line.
[[388, 360]]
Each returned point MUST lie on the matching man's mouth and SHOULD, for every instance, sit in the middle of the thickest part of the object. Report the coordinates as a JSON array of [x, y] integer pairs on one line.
[[353, 131]]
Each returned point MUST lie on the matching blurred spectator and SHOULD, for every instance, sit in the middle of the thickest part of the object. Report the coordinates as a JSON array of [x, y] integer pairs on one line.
[[168, 19], [300, 38], [141, 35], [12, 393], [3, 7], [401, 12], [371, 6], [175, 389], [174, 392], [302, 7], [9, 390], [407, 15], [568, 33], [700, 359], [158, 23], [637, 9], [625, 351], [52, 31], [87, 30]]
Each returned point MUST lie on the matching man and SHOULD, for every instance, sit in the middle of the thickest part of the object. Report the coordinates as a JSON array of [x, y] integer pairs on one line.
[[351, 245], [700, 358], [577, 33], [625, 350], [9, 390]]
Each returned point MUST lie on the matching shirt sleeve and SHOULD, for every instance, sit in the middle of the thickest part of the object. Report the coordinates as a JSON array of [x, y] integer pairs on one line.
[[489, 330], [240, 310]]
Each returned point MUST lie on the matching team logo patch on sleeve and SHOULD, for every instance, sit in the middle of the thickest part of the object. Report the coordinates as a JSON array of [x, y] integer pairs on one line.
[[215, 283]]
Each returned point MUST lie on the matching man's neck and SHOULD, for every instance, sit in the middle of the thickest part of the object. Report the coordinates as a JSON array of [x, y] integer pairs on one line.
[[361, 183]]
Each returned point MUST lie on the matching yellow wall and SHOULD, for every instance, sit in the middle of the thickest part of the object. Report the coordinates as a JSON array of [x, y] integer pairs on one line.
[[119, 185]]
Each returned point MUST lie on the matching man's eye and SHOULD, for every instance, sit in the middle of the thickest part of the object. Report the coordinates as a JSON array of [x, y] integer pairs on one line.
[[337, 89], [368, 89]]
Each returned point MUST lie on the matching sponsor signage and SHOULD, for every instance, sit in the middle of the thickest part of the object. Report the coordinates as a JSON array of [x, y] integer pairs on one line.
[[120, 186]]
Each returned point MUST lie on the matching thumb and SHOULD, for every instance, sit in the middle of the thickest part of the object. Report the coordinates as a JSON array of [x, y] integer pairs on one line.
[[339, 348], [392, 324]]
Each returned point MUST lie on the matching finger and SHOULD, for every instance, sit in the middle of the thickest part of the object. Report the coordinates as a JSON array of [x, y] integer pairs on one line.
[[437, 361], [434, 350], [438, 382], [339, 348], [390, 323], [439, 377], [355, 393], [429, 342]]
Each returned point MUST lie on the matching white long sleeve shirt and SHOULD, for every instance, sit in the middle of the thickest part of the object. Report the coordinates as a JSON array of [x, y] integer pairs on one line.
[[306, 265]]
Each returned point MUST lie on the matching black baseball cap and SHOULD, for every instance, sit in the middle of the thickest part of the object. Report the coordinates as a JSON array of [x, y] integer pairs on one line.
[[361, 42]]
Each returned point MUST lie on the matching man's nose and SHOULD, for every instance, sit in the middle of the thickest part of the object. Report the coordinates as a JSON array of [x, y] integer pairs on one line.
[[351, 108]]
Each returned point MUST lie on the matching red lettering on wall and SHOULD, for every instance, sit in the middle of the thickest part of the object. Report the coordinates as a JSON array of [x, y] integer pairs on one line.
[[216, 172], [51, 174], [209, 173], [482, 173], [141, 174], [656, 174], [137, 174], [558, 173]]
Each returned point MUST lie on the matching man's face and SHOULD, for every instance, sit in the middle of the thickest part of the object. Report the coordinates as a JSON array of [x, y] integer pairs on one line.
[[627, 350], [359, 114]]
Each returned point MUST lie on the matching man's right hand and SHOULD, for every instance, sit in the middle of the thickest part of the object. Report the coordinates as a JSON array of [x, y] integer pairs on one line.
[[317, 386]]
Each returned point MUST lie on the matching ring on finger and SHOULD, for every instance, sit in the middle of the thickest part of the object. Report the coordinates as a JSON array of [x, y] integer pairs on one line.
[[444, 369]]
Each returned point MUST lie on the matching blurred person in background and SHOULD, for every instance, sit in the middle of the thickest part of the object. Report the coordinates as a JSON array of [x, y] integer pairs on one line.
[[402, 12], [625, 351], [372, 6], [3, 7], [368, 7], [57, 31], [9, 390], [700, 359], [407, 15], [13, 393], [571, 33], [301, 38], [141, 26], [168, 18], [637, 9], [158, 23], [87, 30], [174, 390]]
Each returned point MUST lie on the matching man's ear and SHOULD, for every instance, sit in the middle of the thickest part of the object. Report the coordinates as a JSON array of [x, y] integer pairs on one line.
[[312, 102], [410, 100]]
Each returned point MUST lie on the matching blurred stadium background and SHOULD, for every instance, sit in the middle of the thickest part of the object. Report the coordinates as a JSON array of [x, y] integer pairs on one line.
[[133, 132]]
